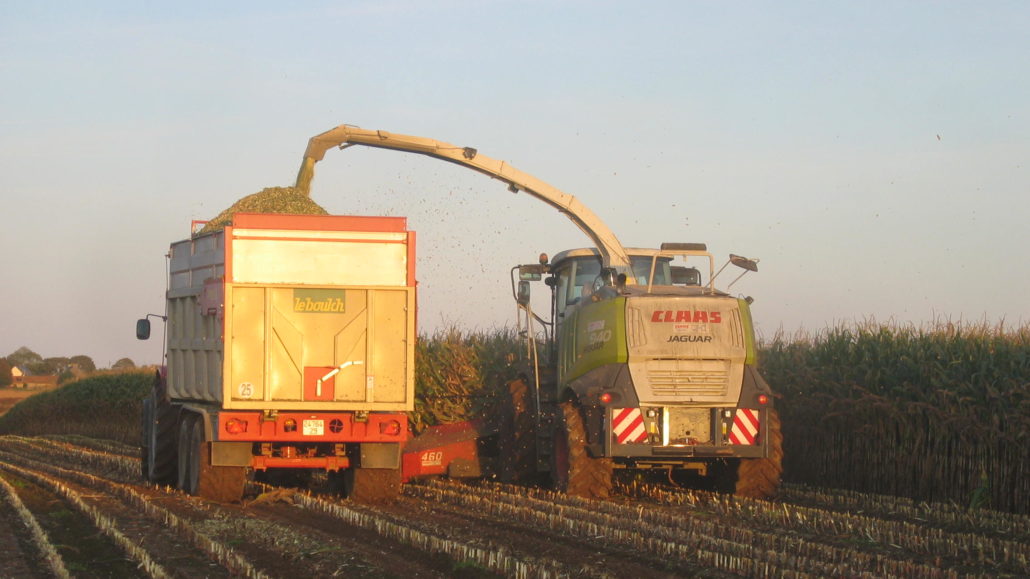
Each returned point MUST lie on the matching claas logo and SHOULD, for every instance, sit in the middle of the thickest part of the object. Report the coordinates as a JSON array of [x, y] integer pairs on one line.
[[686, 316]]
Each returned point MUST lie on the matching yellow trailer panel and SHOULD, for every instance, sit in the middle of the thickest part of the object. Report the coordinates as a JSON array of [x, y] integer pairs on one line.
[[294, 312]]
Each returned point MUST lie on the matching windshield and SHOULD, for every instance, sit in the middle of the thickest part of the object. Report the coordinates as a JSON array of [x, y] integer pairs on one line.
[[641, 266]]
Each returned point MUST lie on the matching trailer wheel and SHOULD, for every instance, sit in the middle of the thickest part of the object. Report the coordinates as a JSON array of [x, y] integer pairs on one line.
[[197, 476], [372, 485], [573, 470], [162, 453], [517, 441], [188, 469], [144, 448], [759, 478]]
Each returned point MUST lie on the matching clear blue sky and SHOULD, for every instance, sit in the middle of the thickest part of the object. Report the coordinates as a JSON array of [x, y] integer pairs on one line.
[[874, 155]]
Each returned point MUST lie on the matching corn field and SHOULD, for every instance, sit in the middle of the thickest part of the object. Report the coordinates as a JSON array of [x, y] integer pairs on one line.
[[935, 414], [838, 394], [459, 375]]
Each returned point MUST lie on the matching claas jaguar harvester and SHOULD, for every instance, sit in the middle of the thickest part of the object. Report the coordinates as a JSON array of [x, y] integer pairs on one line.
[[289, 344], [644, 364]]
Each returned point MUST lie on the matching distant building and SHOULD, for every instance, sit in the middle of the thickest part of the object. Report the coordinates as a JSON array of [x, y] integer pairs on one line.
[[21, 378]]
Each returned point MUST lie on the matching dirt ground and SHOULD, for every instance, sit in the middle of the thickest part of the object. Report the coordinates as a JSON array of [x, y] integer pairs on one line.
[[439, 528]]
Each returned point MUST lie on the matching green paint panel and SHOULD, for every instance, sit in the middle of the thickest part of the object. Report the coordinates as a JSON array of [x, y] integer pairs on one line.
[[592, 336], [749, 331]]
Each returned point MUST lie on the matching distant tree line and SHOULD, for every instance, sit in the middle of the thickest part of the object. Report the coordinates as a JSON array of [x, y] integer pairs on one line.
[[64, 368]]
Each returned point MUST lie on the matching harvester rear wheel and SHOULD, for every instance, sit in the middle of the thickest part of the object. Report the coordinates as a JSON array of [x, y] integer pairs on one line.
[[163, 452], [372, 485], [573, 470], [759, 478], [517, 441]]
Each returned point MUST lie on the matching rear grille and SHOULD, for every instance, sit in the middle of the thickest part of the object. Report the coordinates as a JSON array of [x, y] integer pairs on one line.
[[691, 378]]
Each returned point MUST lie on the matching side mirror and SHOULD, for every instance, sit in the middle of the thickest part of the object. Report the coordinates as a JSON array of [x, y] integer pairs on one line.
[[143, 329], [523, 294], [532, 272], [740, 261]]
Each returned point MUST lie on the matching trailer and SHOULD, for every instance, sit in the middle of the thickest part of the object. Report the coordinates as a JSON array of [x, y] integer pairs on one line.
[[289, 344]]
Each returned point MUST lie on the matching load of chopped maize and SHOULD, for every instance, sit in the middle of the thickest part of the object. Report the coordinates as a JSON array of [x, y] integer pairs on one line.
[[289, 200]]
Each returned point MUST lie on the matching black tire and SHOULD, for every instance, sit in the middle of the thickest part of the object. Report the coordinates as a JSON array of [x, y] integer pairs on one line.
[[372, 485], [164, 443], [759, 478], [217, 483], [144, 445], [187, 471], [517, 435], [573, 470]]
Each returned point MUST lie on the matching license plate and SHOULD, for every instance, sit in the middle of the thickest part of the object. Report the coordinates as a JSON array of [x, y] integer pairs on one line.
[[314, 427]]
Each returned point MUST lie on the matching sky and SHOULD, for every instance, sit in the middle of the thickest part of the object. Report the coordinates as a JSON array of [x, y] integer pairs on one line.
[[874, 156]]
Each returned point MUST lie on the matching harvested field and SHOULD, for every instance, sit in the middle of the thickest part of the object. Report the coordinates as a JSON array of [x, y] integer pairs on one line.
[[484, 529], [11, 396]]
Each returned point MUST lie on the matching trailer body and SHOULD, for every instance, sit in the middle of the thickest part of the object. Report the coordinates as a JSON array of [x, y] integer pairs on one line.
[[289, 343]]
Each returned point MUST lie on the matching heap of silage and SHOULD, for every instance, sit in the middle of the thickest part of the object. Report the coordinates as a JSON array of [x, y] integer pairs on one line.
[[289, 200]]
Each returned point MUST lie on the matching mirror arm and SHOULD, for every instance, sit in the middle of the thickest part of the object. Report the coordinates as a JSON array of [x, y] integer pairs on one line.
[[712, 281], [735, 280]]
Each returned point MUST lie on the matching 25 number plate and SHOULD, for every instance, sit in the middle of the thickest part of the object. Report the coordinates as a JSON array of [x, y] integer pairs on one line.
[[314, 427]]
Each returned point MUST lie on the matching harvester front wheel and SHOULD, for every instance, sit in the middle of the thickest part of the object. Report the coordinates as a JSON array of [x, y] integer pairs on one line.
[[759, 478], [372, 485], [573, 470], [517, 441]]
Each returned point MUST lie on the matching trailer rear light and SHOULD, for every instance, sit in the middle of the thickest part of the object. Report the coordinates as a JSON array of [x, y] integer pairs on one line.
[[289, 425], [235, 426], [763, 399], [390, 428], [606, 398]]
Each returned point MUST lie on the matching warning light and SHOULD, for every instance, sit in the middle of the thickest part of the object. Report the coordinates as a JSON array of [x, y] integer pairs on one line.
[[235, 426], [763, 399], [606, 398], [391, 428]]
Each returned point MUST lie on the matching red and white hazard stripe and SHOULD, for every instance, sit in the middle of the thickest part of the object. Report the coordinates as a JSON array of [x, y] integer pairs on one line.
[[628, 425], [745, 427]]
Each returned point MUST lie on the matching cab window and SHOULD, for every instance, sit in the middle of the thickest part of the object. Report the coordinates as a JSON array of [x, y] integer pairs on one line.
[[573, 278], [641, 266]]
